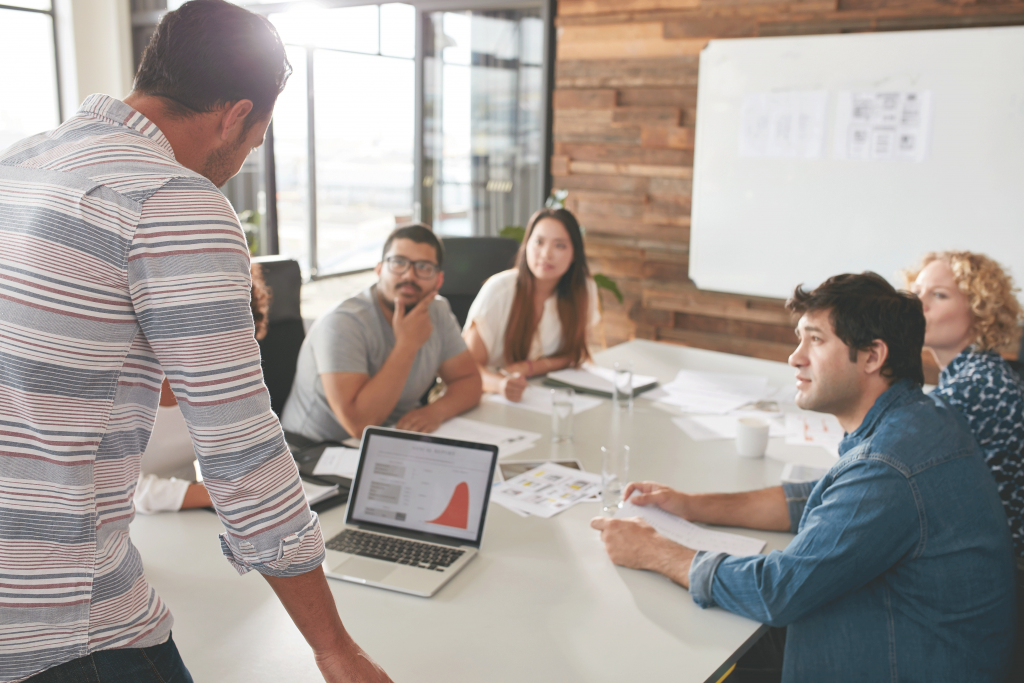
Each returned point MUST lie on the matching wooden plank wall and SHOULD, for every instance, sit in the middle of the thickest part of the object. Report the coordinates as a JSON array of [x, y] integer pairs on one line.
[[624, 100]]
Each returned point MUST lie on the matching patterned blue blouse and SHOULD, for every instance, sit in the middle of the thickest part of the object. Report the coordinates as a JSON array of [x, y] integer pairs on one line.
[[990, 395]]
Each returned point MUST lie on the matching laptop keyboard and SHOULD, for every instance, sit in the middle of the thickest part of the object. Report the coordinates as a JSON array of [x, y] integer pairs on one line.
[[391, 549]]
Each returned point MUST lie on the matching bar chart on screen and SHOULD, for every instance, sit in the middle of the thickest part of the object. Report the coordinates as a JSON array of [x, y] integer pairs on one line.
[[456, 514]]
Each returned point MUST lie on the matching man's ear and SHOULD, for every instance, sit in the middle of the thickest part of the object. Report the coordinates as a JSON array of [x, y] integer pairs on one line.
[[233, 118], [377, 268], [875, 356], [440, 281]]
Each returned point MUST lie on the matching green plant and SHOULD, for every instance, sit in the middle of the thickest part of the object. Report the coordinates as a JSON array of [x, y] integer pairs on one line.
[[605, 282], [513, 232], [250, 221]]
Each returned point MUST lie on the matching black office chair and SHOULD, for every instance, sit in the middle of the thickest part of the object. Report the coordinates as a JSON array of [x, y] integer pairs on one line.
[[279, 350], [468, 262]]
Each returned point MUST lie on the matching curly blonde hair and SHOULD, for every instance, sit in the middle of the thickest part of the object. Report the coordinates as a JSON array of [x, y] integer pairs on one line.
[[990, 293]]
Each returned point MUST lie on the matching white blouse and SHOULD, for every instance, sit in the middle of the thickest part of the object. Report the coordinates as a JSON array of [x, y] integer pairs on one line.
[[167, 464], [492, 306]]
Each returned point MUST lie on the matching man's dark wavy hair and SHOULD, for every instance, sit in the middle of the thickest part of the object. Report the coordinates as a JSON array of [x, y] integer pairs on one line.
[[208, 53], [863, 308]]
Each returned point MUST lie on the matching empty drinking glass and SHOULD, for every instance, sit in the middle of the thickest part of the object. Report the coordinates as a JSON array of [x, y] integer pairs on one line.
[[561, 414], [614, 477]]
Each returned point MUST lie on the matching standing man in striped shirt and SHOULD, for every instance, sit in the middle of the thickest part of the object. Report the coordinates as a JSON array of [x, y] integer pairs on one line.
[[121, 263]]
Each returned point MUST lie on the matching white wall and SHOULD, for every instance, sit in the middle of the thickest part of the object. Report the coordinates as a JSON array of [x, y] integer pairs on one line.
[[97, 33]]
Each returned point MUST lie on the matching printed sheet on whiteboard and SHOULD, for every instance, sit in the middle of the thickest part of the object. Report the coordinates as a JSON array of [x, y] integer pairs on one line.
[[784, 124], [883, 126]]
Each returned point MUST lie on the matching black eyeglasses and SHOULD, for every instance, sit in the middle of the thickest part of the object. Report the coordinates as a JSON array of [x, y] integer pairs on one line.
[[424, 269]]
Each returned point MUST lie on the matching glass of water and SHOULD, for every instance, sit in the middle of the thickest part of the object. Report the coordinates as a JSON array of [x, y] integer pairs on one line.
[[561, 414], [622, 386], [614, 477]]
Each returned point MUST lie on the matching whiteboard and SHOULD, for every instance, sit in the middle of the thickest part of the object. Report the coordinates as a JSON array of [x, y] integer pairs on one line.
[[763, 224]]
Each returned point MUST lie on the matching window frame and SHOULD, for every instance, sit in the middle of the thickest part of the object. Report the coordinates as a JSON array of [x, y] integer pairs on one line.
[[52, 13]]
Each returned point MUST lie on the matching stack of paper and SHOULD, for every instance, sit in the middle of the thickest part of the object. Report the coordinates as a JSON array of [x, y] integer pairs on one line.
[[711, 392], [597, 380], [546, 490], [814, 429], [709, 427], [539, 401], [689, 534], [508, 439], [339, 462]]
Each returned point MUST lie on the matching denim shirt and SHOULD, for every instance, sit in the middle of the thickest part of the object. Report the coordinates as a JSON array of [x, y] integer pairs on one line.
[[902, 566]]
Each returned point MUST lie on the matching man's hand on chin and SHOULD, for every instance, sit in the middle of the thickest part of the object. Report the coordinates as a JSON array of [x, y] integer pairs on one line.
[[633, 543], [423, 420]]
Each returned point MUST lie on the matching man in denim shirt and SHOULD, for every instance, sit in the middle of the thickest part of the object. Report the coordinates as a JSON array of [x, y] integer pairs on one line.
[[902, 566]]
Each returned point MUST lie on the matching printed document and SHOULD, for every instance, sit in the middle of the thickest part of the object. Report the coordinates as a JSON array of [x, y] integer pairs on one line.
[[508, 439], [546, 490], [338, 461], [538, 400], [689, 534]]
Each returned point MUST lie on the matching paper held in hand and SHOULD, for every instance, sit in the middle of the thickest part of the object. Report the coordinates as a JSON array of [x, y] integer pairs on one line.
[[689, 534]]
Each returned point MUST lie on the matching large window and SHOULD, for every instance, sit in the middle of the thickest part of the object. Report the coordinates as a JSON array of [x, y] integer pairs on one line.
[[345, 168], [395, 114], [30, 102]]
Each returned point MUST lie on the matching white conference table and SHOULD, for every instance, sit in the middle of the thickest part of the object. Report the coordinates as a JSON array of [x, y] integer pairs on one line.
[[541, 602]]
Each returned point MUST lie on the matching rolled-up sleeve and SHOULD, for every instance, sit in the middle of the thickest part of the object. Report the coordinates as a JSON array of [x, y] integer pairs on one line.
[[796, 501], [188, 270], [702, 576], [867, 519]]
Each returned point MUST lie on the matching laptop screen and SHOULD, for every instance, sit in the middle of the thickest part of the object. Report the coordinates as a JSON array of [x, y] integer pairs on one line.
[[422, 483]]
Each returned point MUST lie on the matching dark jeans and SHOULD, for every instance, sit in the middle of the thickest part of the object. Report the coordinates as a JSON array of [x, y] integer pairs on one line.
[[762, 663], [157, 664], [1017, 667]]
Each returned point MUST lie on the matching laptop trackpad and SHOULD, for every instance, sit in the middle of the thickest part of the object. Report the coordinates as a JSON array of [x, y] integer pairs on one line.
[[362, 568]]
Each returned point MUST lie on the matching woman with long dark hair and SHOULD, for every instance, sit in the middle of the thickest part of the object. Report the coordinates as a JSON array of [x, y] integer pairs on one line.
[[534, 318]]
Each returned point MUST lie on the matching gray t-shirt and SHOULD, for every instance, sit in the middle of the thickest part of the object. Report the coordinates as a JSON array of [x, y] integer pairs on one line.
[[355, 336]]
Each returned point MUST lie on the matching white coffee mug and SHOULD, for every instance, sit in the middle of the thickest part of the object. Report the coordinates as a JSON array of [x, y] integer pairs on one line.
[[751, 437]]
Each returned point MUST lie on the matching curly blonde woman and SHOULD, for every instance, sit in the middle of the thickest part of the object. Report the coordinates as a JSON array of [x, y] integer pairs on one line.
[[971, 312]]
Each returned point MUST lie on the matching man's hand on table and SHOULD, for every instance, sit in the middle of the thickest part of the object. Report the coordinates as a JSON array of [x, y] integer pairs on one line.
[[350, 664], [633, 543], [665, 497]]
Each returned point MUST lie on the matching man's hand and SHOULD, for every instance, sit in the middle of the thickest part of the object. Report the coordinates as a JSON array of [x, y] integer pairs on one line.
[[512, 387], [413, 328], [633, 543], [665, 497], [423, 420], [350, 664]]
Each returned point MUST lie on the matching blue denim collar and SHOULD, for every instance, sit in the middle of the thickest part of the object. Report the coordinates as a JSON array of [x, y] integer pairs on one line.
[[893, 397]]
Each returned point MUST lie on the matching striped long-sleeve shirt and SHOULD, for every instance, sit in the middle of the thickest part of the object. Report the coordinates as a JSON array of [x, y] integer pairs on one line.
[[119, 265]]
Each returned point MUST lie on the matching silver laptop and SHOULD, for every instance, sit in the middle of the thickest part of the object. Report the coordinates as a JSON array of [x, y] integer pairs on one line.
[[415, 512]]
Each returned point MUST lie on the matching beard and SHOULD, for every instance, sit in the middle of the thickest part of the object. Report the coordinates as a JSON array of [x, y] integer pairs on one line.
[[219, 166]]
